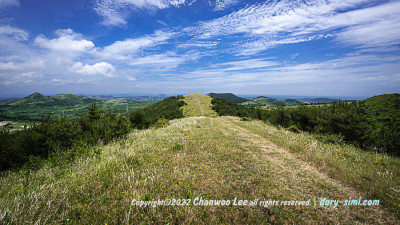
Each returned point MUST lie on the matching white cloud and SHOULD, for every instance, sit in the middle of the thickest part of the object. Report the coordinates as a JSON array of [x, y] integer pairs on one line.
[[124, 49], [4, 3], [31, 75], [246, 64], [22, 78], [199, 44], [330, 74], [101, 68], [224, 4], [26, 64], [8, 66], [15, 33], [376, 34], [67, 41], [130, 78], [115, 12], [267, 25], [159, 60]]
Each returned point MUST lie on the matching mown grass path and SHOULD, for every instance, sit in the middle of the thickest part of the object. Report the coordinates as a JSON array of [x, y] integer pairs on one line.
[[198, 105]]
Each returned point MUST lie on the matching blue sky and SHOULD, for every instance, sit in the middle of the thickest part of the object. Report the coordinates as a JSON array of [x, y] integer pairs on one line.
[[296, 47]]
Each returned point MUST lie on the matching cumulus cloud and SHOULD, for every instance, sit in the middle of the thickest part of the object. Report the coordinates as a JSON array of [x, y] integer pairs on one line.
[[101, 68], [67, 41], [15, 33], [115, 12]]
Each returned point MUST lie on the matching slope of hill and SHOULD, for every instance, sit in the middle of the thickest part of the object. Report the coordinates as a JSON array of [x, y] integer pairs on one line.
[[204, 158], [383, 121], [229, 96], [198, 105], [383, 108]]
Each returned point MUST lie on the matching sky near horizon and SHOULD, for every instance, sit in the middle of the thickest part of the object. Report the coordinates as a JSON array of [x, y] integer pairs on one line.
[[287, 47]]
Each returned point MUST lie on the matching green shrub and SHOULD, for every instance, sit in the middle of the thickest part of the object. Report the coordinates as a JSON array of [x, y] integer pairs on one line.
[[161, 123], [293, 129]]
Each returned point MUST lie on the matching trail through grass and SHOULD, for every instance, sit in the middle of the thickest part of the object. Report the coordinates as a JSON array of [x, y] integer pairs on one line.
[[198, 105], [212, 158]]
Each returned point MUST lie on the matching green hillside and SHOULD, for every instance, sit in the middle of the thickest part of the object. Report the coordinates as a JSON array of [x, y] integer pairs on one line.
[[228, 96], [383, 120], [383, 108]]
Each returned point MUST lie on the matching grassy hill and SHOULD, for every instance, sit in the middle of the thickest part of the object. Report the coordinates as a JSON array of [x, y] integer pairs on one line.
[[383, 120], [229, 96], [383, 108], [208, 158]]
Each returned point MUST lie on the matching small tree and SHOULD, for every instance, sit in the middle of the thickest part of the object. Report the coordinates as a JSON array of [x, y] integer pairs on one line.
[[94, 112]]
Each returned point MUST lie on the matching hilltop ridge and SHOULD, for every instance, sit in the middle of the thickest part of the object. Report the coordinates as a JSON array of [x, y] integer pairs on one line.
[[198, 105]]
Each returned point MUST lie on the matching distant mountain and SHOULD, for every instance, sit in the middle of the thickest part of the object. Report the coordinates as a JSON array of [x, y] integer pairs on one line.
[[38, 99], [265, 101], [34, 98], [229, 96]]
